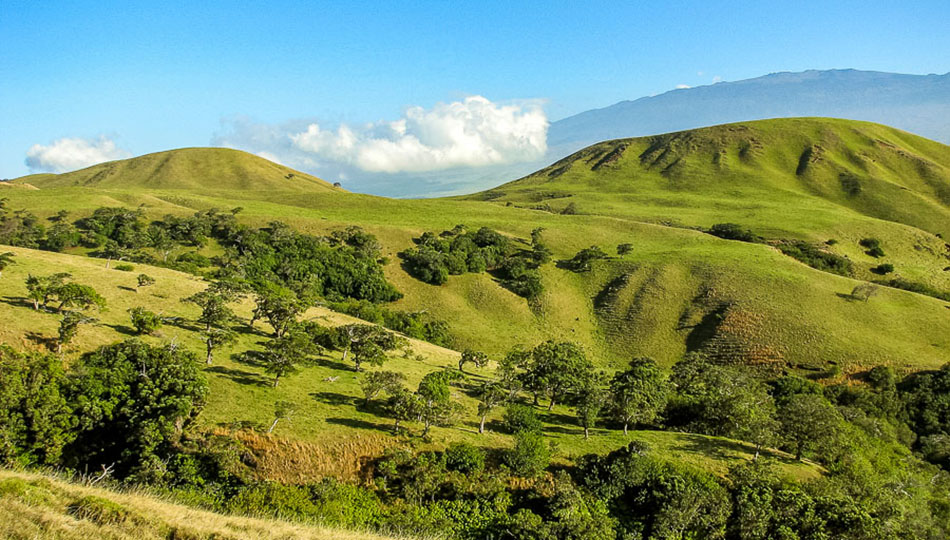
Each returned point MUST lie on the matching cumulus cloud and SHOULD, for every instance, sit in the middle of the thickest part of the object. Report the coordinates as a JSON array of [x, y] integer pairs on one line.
[[682, 86], [72, 153], [473, 132]]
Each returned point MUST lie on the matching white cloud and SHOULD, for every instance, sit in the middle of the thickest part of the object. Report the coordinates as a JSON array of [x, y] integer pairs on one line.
[[682, 86], [473, 132], [717, 79], [72, 153]]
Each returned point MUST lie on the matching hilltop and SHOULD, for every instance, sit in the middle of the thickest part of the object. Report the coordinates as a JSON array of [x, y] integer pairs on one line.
[[187, 168]]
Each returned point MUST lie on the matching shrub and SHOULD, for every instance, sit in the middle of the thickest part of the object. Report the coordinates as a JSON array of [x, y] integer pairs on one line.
[[530, 455], [816, 258], [144, 321], [870, 243], [124, 267], [101, 511], [464, 458], [520, 418], [733, 231], [883, 269], [875, 252]]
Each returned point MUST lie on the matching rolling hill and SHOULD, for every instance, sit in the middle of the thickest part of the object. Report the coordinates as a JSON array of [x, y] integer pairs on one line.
[[187, 168]]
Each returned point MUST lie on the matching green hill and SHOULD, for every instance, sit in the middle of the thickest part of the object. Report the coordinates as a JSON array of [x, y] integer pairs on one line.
[[187, 168]]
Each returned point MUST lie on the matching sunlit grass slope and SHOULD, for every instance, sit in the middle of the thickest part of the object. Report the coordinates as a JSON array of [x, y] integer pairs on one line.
[[34, 507], [187, 168], [332, 428]]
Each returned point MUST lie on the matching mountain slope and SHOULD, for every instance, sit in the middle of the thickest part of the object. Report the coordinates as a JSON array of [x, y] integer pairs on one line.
[[916, 103], [187, 168]]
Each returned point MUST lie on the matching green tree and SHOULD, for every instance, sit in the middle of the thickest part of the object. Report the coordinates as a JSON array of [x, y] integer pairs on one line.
[[6, 259], [213, 302], [367, 342], [377, 382], [144, 280], [43, 289], [144, 321], [472, 357], [36, 422], [623, 249], [279, 305], [808, 422], [582, 260], [591, 397], [161, 241], [435, 399], [402, 406], [530, 455], [133, 402], [77, 295], [283, 410], [491, 394], [214, 339], [69, 327], [638, 394], [555, 369], [283, 356]]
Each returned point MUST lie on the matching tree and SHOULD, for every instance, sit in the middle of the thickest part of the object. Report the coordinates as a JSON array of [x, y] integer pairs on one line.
[[435, 399], [809, 421], [282, 410], [367, 342], [472, 357], [215, 338], [161, 241], [402, 406], [114, 250], [44, 288], [6, 259], [69, 327], [213, 301], [491, 394], [530, 455], [36, 421], [581, 262], [376, 382], [133, 401], [623, 249], [279, 305], [144, 321], [864, 291], [590, 400], [144, 280], [554, 369], [77, 295], [638, 394], [283, 355]]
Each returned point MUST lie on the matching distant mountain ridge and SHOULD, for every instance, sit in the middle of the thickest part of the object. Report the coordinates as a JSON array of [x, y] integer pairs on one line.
[[916, 103]]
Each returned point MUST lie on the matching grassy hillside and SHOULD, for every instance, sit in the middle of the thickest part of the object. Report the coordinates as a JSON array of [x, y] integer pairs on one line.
[[680, 289], [332, 428], [188, 168], [33, 506]]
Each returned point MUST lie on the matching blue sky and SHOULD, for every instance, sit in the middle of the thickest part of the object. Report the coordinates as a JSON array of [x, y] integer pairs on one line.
[[128, 78]]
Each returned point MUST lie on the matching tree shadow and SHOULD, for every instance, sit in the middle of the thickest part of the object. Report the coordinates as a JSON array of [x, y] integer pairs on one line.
[[250, 358], [725, 450], [361, 424], [40, 340], [848, 297], [122, 329], [182, 323], [124, 288], [19, 301], [240, 376], [327, 362], [334, 398]]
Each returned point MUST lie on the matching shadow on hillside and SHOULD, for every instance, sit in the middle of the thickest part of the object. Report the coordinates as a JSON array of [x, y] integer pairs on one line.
[[131, 289], [333, 398], [122, 329], [240, 376], [19, 301], [326, 362], [361, 424], [42, 341], [725, 450]]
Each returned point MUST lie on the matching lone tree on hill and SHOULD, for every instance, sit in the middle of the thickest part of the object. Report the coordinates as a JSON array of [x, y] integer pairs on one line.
[[43, 289], [590, 401], [435, 399], [283, 355], [144, 321], [376, 382], [367, 342], [215, 338], [6, 259], [144, 280], [279, 305], [555, 369], [283, 410], [474, 357], [491, 394]]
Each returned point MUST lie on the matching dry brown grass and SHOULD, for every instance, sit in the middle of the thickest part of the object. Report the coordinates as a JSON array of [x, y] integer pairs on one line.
[[34, 507]]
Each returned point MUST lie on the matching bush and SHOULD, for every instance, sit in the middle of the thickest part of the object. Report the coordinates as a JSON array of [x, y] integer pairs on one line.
[[816, 258], [733, 231], [144, 321], [464, 458], [101, 511], [520, 418], [530, 455], [883, 269], [124, 267], [875, 252]]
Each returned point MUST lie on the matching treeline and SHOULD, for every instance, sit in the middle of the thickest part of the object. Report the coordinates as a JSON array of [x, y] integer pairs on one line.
[[459, 251]]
